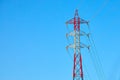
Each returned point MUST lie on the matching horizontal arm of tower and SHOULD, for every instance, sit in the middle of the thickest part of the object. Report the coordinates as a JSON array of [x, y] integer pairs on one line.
[[84, 46], [71, 21], [73, 46], [82, 33], [70, 46], [82, 21], [70, 34], [73, 33]]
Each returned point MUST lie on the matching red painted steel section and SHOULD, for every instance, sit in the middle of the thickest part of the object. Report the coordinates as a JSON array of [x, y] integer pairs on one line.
[[81, 70], [74, 74], [77, 56]]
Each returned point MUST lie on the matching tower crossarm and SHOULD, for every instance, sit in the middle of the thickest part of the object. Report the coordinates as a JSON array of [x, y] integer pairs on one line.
[[72, 33], [71, 21], [82, 21], [82, 33], [82, 45]]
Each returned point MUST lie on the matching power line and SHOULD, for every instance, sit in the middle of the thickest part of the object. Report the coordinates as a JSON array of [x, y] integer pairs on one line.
[[96, 55], [99, 10]]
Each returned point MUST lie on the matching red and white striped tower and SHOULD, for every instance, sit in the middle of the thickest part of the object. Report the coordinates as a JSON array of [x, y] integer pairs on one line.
[[77, 45]]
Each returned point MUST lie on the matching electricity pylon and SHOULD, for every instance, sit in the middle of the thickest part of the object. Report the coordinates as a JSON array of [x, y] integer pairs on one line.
[[77, 45]]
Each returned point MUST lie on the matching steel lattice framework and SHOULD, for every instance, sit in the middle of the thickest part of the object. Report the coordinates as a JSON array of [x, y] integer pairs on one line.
[[77, 45]]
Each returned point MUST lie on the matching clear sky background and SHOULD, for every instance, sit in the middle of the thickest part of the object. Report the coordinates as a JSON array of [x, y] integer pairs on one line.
[[33, 41]]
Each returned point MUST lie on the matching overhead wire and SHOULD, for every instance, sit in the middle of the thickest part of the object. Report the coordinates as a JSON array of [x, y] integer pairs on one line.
[[96, 56], [93, 60], [99, 10], [94, 64], [101, 72], [92, 57]]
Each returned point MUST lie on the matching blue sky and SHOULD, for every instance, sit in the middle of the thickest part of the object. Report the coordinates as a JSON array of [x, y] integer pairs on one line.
[[32, 38]]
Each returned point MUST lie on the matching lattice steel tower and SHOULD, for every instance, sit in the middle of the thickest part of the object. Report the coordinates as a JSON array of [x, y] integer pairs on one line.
[[77, 45]]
